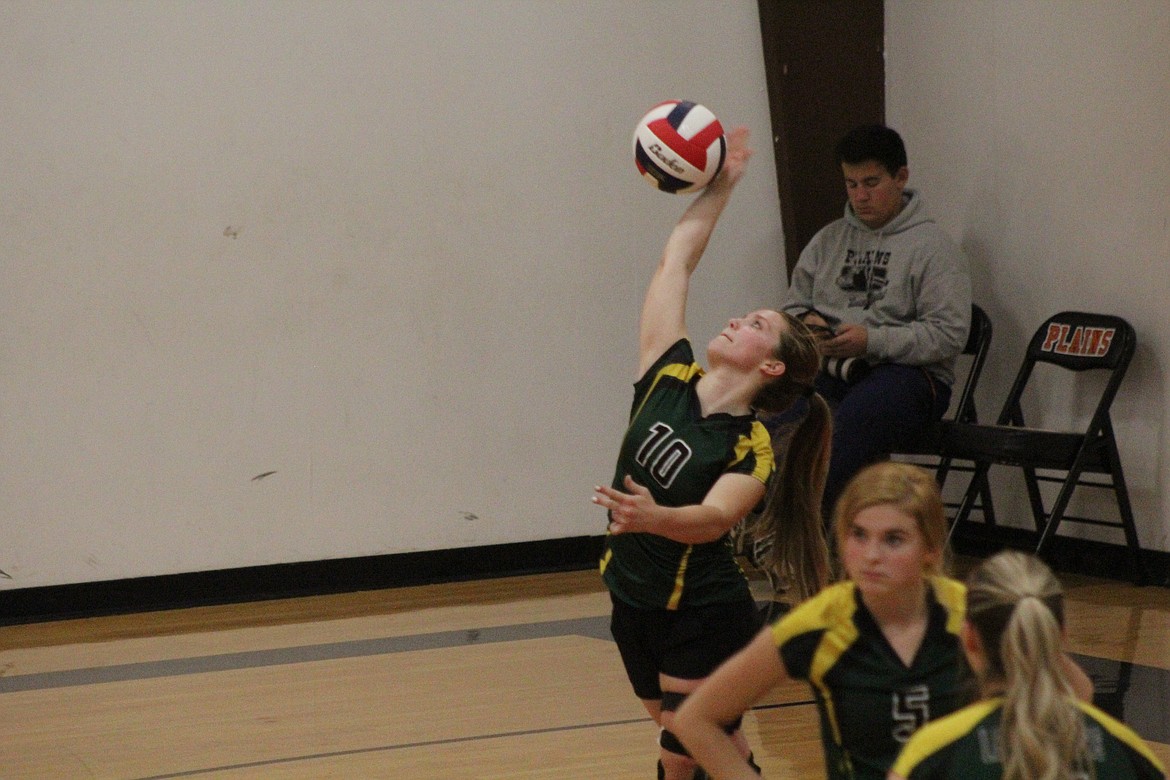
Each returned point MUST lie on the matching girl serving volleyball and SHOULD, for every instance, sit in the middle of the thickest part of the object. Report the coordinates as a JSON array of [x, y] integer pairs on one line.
[[693, 463]]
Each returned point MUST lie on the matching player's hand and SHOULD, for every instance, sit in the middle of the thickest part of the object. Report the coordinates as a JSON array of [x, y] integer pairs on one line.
[[629, 512], [735, 164], [850, 341]]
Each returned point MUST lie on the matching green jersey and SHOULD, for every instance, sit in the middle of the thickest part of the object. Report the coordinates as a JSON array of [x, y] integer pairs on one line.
[[678, 454], [966, 745], [869, 701]]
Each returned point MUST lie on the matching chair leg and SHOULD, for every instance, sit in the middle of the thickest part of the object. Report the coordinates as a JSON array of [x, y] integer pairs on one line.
[[1121, 494], [940, 474], [1056, 514], [974, 488], [985, 505], [1039, 514], [1113, 458]]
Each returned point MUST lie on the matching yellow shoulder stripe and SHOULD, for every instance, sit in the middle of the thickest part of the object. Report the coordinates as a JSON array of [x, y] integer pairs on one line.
[[831, 610], [952, 594], [1121, 732], [937, 734], [759, 442], [681, 371]]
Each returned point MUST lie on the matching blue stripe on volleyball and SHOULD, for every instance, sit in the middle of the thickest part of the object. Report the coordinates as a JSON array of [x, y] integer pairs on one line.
[[679, 113], [666, 182]]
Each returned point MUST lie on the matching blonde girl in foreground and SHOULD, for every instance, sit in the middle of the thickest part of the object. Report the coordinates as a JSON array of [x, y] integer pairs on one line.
[[880, 650], [1029, 726]]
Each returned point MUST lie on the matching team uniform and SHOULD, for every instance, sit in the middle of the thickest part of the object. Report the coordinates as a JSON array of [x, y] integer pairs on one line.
[[966, 745], [657, 583], [869, 701]]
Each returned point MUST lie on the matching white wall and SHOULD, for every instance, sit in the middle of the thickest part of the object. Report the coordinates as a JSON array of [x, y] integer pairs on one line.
[[1039, 133], [392, 252]]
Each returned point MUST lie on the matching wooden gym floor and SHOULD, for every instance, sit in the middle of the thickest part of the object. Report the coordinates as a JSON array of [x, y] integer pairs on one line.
[[503, 678]]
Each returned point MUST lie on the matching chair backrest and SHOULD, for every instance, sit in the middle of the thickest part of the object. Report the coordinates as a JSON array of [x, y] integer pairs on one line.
[[978, 342], [1077, 341]]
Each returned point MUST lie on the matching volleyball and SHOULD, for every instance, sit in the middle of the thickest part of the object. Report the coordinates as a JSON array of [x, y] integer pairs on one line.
[[679, 146]]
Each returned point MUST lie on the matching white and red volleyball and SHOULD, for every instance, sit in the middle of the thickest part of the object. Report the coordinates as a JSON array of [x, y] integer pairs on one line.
[[679, 146]]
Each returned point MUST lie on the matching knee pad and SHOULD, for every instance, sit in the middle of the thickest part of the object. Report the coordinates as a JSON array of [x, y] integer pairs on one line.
[[671, 701], [671, 744]]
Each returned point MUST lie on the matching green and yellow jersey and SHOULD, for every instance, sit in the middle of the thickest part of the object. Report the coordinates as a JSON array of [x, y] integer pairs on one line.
[[869, 701], [966, 744], [678, 454]]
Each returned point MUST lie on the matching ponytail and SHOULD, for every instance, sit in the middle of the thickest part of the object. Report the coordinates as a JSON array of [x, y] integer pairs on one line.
[[793, 509], [791, 517], [1015, 604]]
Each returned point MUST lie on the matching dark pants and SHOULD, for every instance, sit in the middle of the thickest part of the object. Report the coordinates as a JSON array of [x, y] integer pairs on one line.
[[884, 412]]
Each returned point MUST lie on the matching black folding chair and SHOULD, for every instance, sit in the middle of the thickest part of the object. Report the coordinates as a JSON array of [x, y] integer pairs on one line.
[[1076, 342], [928, 452]]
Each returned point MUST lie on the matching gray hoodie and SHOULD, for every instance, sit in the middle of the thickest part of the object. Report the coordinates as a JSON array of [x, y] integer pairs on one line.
[[907, 282]]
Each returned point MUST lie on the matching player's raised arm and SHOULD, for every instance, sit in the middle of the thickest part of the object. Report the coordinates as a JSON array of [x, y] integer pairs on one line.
[[664, 309]]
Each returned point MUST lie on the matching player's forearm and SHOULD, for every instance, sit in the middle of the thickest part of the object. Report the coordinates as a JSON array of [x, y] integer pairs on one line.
[[690, 236], [694, 524]]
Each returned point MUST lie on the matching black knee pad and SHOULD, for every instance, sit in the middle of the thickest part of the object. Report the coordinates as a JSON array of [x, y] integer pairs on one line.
[[671, 744]]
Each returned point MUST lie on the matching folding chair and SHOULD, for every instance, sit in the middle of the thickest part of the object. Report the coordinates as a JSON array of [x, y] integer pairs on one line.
[[1077, 342], [928, 452]]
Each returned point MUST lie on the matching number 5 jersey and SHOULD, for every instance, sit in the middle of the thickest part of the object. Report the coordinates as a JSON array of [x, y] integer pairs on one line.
[[869, 701]]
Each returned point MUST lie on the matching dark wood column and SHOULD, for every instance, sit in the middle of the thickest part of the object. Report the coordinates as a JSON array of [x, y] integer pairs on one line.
[[825, 66]]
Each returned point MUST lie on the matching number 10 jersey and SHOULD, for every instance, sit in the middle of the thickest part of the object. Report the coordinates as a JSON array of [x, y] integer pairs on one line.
[[678, 454]]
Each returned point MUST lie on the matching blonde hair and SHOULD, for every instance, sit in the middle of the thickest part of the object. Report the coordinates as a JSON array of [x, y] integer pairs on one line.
[[1016, 606], [792, 509], [911, 489]]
